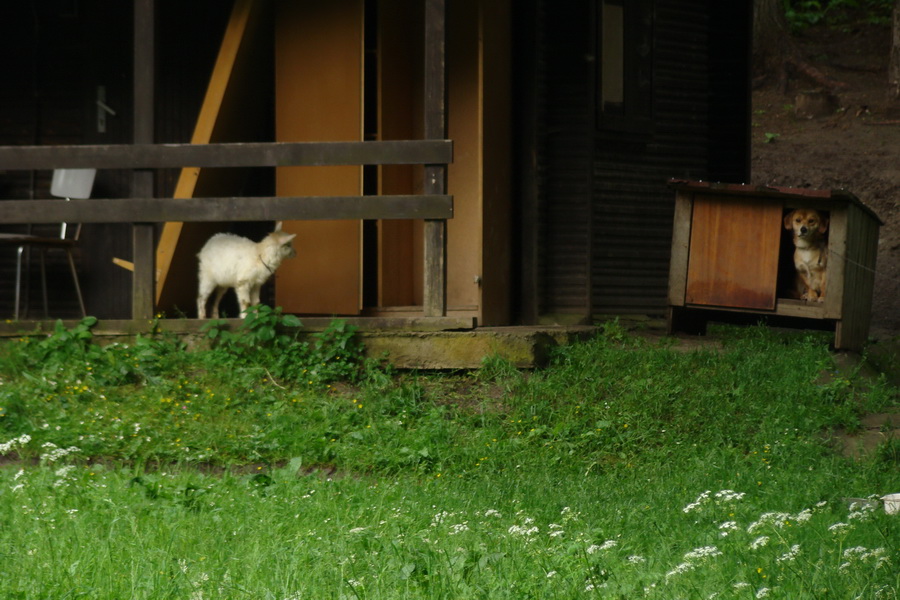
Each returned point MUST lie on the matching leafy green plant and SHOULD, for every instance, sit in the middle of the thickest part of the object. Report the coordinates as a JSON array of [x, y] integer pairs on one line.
[[801, 14], [271, 341]]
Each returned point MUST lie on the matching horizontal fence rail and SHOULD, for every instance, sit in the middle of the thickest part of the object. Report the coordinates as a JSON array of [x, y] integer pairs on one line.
[[275, 154], [144, 212], [156, 210]]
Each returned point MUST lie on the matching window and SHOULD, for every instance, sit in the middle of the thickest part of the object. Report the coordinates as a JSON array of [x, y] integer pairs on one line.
[[625, 64]]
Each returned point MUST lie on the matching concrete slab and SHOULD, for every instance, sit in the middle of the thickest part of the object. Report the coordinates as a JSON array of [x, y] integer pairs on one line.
[[524, 347]]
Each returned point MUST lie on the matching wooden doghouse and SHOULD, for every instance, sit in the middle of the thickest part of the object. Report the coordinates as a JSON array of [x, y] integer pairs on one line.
[[731, 253]]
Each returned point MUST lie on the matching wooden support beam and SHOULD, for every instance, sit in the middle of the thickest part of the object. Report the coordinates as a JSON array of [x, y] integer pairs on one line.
[[155, 210], [163, 156], [144, 73], [435, 107]]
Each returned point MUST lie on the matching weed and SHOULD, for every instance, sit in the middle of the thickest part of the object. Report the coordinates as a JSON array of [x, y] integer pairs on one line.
[[269, 340]]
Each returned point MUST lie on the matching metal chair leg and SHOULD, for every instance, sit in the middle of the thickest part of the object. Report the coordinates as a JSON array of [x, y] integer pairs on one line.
[[75, 279], [19, 252], [44, 283]]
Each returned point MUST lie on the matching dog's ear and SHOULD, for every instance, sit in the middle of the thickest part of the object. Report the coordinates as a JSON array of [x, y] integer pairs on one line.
[[823, 224], [788, 218]]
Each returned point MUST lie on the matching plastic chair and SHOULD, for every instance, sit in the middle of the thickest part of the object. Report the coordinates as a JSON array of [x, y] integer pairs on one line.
[[66, 183]]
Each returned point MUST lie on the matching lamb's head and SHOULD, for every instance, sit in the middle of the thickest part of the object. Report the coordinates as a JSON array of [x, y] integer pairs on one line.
[[276, 247]]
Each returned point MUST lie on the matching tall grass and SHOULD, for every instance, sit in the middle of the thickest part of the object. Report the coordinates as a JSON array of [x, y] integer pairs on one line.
[[626, 469]]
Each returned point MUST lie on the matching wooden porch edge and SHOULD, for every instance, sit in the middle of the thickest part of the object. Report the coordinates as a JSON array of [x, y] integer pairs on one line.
[[130, 327]]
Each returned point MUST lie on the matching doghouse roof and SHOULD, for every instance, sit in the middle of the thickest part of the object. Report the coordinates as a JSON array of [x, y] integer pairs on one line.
[[801, 195]]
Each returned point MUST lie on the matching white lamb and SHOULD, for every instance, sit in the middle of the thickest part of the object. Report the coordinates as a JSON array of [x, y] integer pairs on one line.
[[232, 261]]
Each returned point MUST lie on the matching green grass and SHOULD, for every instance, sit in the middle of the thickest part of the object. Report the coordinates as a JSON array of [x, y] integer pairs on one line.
[[626, 469]]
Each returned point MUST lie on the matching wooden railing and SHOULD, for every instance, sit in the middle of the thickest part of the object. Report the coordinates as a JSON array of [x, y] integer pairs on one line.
[[435, 207]]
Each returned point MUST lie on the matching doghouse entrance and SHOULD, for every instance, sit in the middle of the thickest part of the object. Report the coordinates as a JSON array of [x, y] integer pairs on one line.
[[787, 272]]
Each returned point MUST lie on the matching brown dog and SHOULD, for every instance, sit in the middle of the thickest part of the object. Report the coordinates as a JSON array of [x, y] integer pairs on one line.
[[811, 252]]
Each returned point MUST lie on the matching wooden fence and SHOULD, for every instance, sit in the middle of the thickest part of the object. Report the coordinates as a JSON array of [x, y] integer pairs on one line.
[[143, 212]]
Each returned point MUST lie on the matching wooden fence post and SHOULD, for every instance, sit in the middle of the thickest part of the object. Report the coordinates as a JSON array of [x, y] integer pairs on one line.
[[143, 236], [435, 101]]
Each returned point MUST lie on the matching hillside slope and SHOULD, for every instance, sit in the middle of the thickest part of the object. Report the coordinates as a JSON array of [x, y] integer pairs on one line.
[[856, 147]]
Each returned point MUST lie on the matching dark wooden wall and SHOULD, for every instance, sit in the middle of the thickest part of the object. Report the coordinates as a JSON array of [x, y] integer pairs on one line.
[[604, 212], [56, 54]]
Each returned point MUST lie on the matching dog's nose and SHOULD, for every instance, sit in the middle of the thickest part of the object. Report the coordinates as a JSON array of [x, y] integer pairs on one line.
[[803, 230]]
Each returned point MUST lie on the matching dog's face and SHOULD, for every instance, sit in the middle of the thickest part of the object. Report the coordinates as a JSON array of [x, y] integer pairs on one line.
[[806, 223]]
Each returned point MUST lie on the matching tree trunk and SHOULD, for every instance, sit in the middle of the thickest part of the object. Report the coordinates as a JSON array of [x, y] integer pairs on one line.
[[771, 38], [774, 52], [894, 65]]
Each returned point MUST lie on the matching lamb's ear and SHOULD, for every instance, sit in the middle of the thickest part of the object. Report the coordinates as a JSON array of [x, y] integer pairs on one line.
[[289, 237], [278, 225]]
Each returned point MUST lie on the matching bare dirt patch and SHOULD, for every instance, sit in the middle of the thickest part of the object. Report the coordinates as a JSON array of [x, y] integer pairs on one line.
[[857, 147]]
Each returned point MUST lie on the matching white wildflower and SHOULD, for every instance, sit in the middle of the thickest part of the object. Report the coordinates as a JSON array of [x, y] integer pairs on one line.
[[803, 516], [64, 471], [550, 574], [741, 585], [14, 443], [762, 592], [441, 517], [729, 495], [55, 453], [702, 553], [790, 555], [604, 546], [357, 530], [682, 568], [492, 513], [636, 559], [727, 527], [759, 542], [775, 519], [839, 528], [459, 528], [522, 531], [557, 533], [701, 499], [862, 512]]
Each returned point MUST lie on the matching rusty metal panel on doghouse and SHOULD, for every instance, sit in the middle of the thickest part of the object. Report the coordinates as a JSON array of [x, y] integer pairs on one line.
[[733, 262]]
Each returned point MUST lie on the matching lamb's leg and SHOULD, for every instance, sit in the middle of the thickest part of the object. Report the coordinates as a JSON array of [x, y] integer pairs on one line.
[[243, 295], [204, 290], [254, 295], [220, 291]]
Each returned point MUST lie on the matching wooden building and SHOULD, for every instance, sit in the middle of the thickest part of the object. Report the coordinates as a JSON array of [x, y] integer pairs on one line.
[[566, 122]]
